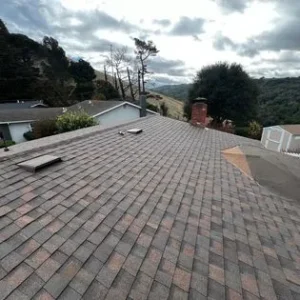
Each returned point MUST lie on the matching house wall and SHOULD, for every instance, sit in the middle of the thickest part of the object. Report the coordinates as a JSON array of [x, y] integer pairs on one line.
[[5, 130], [285, 141], [275, 138], [17, 130], [295, 143], [119, 115]]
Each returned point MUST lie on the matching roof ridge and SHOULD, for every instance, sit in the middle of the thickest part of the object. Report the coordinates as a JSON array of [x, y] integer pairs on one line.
[[58, 141]]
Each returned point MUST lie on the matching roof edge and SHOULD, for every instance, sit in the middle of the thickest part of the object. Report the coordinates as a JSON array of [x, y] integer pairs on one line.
[[59, 139]]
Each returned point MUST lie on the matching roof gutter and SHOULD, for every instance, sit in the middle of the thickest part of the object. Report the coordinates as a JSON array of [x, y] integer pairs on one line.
[[17, 122]]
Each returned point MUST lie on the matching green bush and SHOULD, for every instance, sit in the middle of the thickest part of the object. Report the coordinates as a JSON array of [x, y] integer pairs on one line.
[[74, 120], [7, 143], [29, 136], [255, 130], [152, 107], [44, 128], [164, 109], [242, 131]]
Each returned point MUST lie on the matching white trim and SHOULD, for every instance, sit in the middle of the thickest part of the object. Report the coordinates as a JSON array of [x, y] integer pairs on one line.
[[15, 122], [281, 140], [122, 104], [289, 142]]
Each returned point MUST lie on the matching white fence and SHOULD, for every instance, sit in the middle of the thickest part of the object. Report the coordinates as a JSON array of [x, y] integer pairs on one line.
[[293, 154]]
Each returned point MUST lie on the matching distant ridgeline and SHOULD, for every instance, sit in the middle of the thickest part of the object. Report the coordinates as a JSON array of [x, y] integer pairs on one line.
[[279, 99], [32, 70]]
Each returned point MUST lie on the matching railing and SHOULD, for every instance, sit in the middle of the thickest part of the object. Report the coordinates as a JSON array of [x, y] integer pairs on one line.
[[294, 154]]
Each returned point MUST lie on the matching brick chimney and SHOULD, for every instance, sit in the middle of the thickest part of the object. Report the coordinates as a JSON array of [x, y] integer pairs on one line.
[[199, 112]]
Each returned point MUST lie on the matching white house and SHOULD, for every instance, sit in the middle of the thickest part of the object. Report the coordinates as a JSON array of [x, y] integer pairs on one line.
[[282, 138], [109, 112], [15, 122]]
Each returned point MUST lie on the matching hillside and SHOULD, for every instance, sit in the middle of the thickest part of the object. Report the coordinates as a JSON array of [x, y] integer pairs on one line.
[[279, 99], [175, 107], [179, 91]]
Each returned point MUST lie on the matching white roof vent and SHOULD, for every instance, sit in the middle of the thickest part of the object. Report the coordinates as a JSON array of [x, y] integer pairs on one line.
[[40, 162], [135, 130]]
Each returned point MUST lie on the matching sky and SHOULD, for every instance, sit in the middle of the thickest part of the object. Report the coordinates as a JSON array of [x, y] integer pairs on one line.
[[262, 35]]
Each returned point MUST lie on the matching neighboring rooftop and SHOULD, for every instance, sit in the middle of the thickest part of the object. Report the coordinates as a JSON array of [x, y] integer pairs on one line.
[[293, 129], [94, 107], [159, 215], [19, 104], [29, 114]]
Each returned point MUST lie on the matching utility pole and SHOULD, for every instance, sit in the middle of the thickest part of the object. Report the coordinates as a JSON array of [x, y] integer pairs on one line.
[[130, 84], [111, 55]]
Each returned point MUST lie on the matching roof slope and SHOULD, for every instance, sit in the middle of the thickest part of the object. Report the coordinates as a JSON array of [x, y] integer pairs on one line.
[[18, 115], [94, 107], [159, 215], [293, 129], [21, 105]]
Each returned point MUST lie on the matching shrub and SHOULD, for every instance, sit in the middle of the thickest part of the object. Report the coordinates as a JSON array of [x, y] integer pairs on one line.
[[74, 120], [107, 89], [164, 109], [99, 96], [29, 136], [242, 131], [44, 128], [255, 130], [7, 143], [152, 107]]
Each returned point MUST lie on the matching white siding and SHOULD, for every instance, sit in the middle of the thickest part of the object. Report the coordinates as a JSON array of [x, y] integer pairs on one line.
[[17, 130], [295, 144], [119, 115], [275, 138]]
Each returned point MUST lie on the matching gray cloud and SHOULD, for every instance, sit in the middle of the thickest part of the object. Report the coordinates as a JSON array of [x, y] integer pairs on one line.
[[222, 42], [162, 22], [284, 36], [157, 81], [188, 26], [38, 18], [230, 6], [164, 66]]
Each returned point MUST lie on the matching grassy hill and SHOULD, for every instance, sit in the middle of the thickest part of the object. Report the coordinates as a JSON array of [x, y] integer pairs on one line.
[[279, 99], [179, 91], [175, 107]]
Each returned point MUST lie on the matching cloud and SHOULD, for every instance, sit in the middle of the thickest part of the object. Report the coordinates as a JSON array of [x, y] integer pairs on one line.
[[230, 6], [165, 66], [188, 26], [162, 22], [157, 81], [249, 49], [284, 35], [222, 42]]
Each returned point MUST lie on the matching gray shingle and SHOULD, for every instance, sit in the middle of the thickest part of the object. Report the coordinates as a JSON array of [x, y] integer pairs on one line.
[[152, 216]]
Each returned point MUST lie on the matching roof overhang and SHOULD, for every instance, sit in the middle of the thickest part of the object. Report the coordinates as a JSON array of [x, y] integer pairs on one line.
[[16, 122], [120, 105]]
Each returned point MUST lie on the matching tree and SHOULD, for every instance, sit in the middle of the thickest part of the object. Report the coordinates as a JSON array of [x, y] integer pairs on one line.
[[164, 109], [56, 67], [119, 61], [106, 89], [83, 74], [143, 51], [231, 93], [18, 75], [82, 71]]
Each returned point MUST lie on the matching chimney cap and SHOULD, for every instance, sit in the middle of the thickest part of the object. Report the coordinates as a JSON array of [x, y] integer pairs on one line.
[[200, 99]]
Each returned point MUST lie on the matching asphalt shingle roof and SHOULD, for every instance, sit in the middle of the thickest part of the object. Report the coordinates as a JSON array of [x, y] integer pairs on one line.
[[21, 105], [294, 129], [159, 215], [93, 107], [17, 115]]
